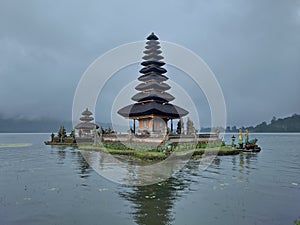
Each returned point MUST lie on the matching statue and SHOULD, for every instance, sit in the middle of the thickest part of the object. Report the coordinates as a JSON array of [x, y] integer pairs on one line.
[[217, 132], [52, 137], [240, 139], [232, 141], [247, 137]]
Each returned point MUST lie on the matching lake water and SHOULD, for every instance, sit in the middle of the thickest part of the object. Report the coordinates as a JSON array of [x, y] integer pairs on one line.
[[52, 185]]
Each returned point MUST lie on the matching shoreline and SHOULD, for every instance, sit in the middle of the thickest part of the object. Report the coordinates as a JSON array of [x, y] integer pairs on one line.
[[42, 132], [60, 143]]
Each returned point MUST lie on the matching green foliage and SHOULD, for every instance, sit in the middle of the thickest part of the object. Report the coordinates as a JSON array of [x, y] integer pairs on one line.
[[138, 154], [144, 153], [149, 155], [62, 134], [288, 124], [116, 145], [101, 131], [56, 139], [297, 222], [68, 140], [72, 134], [201, 145], [108, 131], [213, 144]]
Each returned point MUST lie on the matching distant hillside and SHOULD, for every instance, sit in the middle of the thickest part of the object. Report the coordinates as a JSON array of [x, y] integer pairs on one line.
[[32, 126], [288, 124]]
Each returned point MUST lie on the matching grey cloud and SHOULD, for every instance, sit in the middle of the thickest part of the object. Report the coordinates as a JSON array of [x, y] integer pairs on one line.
[[252, 46]]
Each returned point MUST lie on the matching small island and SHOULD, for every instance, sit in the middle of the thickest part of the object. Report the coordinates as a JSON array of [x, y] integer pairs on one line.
[[62, 138], [152, 136]]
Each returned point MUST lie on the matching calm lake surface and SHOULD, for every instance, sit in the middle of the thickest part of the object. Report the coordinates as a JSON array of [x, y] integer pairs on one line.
[[53, 185]]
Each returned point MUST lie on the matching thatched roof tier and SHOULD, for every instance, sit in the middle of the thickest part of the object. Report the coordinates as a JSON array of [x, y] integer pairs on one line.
[[152, 47], [152, 42], [152, 85], [166, 110], [86, 126], [153, 77], [86, 112], [152, 51], [153, 68], [86, 118], [153, 57], [153, 95], [155, 62]]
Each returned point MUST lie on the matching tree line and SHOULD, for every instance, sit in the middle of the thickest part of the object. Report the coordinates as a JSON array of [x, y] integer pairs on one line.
[[288, 124]]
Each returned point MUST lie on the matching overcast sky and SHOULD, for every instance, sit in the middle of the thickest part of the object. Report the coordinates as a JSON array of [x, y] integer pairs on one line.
[[252, 46]]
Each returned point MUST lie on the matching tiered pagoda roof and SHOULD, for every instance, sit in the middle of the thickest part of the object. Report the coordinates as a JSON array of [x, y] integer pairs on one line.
[[152, 85], [152, 98], [86, 118]]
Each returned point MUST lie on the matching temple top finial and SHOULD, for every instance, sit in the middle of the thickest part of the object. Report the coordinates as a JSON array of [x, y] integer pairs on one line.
[[152, 36]]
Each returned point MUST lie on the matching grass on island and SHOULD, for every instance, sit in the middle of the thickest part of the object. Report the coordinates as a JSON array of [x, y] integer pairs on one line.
[[137, 154], [160, 153]]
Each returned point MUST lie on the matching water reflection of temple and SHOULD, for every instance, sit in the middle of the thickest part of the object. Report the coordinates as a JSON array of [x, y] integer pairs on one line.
[[153, 204], [82, 164]]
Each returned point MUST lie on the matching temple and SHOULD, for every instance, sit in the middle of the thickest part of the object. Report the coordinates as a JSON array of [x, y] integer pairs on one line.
[[152, 108], [86, 125]]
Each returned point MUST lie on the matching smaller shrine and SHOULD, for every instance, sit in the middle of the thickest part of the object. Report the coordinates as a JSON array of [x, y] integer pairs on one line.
[[86, 126]]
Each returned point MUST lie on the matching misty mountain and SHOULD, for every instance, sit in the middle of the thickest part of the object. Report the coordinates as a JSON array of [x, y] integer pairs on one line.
[[11, 125], [288, 124]]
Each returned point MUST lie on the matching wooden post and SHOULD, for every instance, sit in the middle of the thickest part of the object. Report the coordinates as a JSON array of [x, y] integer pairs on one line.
[[171, 125], [153, 125], [133, 126]]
